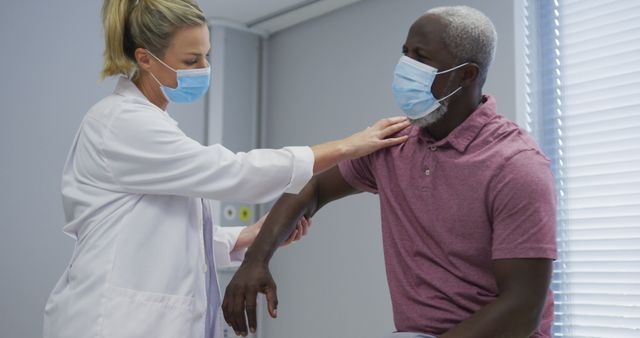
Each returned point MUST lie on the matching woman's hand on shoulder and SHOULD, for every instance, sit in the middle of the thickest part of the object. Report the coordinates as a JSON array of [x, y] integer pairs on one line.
[[377, 137]]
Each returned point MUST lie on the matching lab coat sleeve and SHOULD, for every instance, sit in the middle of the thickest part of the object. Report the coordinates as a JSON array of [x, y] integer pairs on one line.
[[147, 153], [225, 239]]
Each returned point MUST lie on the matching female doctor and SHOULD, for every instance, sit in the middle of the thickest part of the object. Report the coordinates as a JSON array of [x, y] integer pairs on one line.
[[135, 187]]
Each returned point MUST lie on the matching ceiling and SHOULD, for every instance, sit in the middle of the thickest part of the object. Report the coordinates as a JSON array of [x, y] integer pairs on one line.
[[269, 16]]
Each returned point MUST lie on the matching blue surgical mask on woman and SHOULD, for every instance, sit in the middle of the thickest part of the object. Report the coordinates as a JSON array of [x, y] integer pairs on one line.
[[192, 84], [412, 83]]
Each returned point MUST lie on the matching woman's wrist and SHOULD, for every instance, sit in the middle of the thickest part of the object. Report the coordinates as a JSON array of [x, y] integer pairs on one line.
[[346, 149], [245, 238], [328, 154]]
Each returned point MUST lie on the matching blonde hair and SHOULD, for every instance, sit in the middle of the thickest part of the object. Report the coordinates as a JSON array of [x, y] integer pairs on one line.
[[149, 24]]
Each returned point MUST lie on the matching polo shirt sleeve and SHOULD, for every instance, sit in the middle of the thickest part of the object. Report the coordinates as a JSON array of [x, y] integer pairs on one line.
[[358, 173], [523, 208]]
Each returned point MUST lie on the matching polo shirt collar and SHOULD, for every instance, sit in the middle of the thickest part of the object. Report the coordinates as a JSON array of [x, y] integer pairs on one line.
[[465, 133]]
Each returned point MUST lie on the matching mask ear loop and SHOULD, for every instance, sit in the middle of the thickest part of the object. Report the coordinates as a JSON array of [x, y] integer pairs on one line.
[[445, 71], [166, 65], [155, 78], [450, 70], [446, 97]]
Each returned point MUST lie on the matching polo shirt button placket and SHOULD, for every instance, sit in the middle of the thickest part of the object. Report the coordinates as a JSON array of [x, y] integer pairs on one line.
[[427, 169], [430, 157], [427, 172]]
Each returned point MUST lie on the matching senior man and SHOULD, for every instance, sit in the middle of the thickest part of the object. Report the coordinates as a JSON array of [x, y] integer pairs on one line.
[[467, 203]]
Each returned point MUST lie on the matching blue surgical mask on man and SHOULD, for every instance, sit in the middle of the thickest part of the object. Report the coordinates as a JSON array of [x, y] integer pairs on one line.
[[412, 83], [192, 84]]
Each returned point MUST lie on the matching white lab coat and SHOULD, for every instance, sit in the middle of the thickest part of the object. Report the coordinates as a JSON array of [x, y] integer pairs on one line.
[[132, 191]]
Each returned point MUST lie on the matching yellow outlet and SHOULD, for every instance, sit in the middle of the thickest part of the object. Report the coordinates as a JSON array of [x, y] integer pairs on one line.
[[245, 214]]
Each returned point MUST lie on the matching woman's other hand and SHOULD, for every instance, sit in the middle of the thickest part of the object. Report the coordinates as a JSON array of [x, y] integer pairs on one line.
[[248, 234]]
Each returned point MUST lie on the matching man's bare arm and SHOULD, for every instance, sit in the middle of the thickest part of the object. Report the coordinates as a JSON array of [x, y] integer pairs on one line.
[[522, 287], [253, 276]]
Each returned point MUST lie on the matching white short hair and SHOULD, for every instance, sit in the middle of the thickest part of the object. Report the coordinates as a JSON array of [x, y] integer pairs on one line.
[[470, 36]]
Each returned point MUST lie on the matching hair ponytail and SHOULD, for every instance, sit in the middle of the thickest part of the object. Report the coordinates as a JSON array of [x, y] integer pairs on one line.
[[115, 14], [131, 24]]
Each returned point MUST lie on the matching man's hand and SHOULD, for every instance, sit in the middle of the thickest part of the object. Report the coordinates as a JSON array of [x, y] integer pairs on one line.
[[242, 292]]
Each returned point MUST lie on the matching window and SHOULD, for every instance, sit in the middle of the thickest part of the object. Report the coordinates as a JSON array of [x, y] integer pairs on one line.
[[582, 90]]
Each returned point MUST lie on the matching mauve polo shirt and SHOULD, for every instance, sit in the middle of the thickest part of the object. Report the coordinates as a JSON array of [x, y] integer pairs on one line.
[[451, 207]]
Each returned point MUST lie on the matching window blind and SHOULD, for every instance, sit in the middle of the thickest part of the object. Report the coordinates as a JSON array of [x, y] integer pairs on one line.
[[582, 84]]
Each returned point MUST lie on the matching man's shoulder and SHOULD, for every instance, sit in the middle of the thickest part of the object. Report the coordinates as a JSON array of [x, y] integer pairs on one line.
[[507, 140]]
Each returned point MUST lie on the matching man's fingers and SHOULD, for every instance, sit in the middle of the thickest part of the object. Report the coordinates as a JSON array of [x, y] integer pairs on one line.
[[228, 308], [251, 308], [272, 301], [239, 320], [240, 299], [225, 306]]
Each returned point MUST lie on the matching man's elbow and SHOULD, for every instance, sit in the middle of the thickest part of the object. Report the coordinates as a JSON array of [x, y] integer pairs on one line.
[[526, 314], [532, 318]]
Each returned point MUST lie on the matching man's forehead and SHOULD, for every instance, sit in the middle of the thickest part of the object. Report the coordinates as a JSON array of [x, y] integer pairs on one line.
[[429, 27]]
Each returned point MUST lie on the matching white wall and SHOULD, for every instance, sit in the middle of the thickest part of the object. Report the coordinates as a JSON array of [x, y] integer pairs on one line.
[[50, 59], [327, 78]]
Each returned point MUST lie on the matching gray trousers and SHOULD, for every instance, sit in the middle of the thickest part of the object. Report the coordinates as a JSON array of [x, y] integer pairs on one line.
[[409, 335]]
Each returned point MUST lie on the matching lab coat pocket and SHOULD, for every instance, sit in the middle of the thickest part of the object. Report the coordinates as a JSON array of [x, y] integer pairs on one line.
[[129, 313]]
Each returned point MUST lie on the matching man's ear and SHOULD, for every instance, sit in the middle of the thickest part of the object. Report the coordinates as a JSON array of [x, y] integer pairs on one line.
[[470, 73], [143, 58]]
